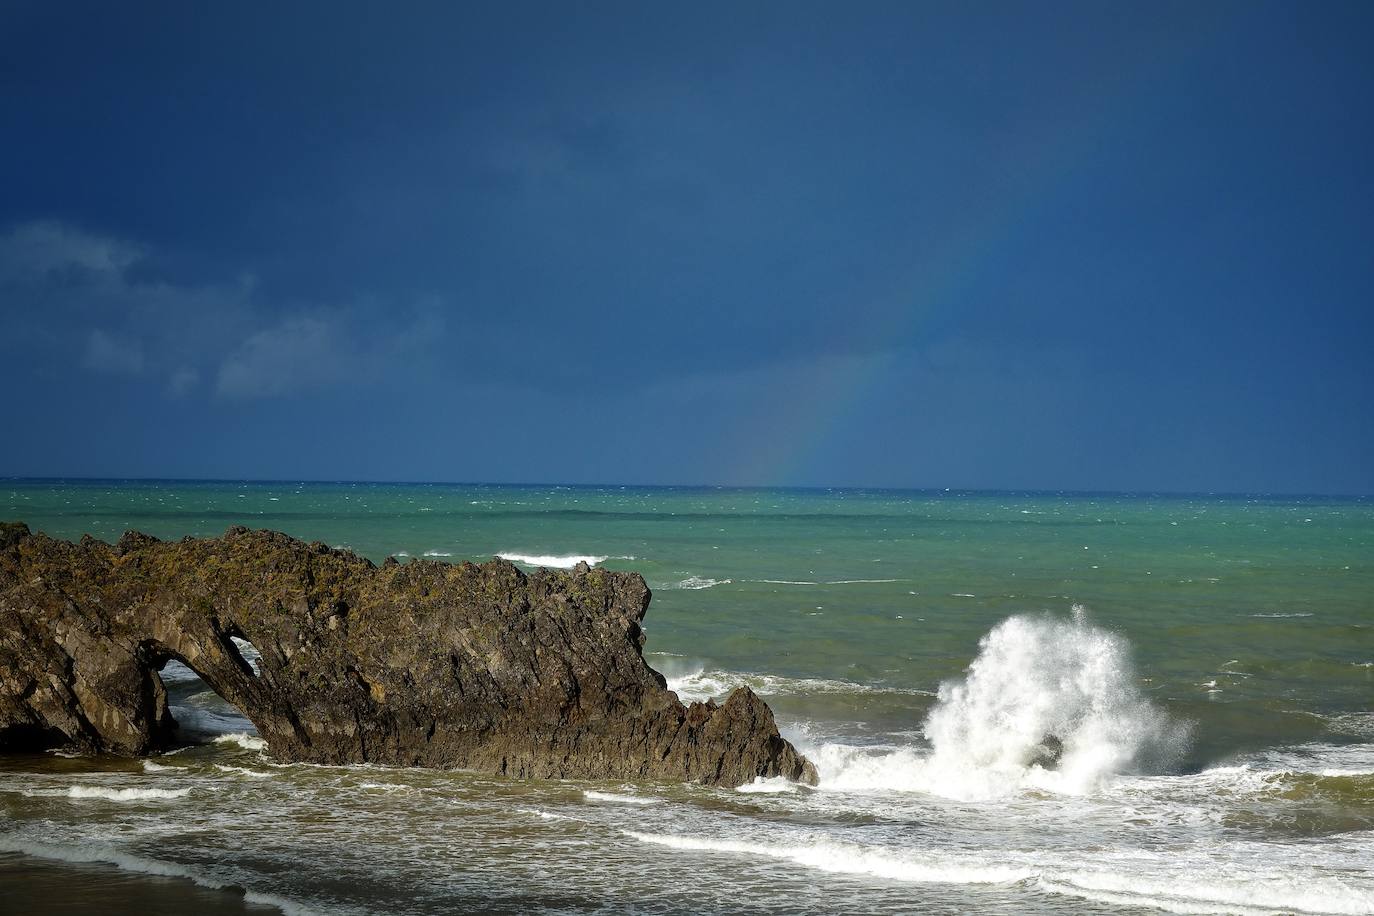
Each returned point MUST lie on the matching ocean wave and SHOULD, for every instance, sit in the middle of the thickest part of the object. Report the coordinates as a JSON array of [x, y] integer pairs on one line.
[[825, 581], [700, 685], [243, 771], [174, 672], [1281, 616], [545, 815], [775, 785], [1242, 894], [151, 767], [553, 561], [1152, 883], [1047, 704], [846, 858], [126, 795], [437, 553], [694, 583], [617, 799], [210, 721], [244, 740]]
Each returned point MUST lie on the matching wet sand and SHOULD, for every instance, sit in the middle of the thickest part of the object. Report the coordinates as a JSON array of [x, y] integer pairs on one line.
[[43, 887]]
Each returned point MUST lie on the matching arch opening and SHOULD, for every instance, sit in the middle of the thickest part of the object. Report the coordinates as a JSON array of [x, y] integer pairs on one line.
[[199, 714]]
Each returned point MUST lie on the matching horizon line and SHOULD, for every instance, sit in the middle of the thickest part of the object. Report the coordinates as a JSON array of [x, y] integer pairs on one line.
[[1029, 491]]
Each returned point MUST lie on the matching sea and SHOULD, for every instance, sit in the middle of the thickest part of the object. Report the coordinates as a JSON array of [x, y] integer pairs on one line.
[[1204, 664]]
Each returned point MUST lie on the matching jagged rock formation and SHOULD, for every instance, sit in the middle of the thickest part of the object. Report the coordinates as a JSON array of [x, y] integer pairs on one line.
[[467, 666]]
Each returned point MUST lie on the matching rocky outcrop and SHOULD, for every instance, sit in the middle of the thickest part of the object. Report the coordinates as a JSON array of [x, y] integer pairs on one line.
[[467, 666]]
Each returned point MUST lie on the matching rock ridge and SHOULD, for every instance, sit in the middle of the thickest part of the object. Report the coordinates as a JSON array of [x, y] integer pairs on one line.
[[470, 666]]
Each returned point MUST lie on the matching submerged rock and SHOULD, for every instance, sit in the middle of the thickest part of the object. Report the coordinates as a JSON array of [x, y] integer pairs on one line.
[[472, 666]]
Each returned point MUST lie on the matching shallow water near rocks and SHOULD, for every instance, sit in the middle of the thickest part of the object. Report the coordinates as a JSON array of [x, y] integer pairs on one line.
[[1206, 663]]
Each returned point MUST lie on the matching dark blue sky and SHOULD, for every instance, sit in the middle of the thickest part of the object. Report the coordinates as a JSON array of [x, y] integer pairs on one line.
[[1051, 245]]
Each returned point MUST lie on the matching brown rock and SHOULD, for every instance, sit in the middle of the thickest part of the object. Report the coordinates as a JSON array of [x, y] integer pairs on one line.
[[467, 666]]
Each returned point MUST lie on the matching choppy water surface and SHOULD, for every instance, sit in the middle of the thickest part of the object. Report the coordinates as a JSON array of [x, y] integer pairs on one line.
[[1205, 666]]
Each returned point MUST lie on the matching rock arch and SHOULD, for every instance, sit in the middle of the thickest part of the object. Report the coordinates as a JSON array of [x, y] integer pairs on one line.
[[424, 663]]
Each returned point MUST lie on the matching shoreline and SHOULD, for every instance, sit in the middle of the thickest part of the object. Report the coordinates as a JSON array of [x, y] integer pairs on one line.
[[40, 886]]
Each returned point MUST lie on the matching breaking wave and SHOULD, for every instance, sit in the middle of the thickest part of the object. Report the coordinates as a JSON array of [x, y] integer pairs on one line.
[[126, 795], [699, 684], [693, 583], [1047, 704], [553, 561]]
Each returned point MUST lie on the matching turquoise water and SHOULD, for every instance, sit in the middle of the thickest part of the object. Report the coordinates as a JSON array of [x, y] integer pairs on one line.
[[1215, 685]]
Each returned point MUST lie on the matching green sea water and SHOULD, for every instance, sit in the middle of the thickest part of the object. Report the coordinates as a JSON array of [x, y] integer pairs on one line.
[[1215, 653]]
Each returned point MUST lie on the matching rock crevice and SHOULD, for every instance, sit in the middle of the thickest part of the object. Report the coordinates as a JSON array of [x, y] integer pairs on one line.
[[471, 666]]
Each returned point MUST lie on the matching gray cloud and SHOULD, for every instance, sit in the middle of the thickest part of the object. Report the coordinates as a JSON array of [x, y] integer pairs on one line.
[[298, 355], [308, 353], [108, 353], [249, 345], [182, 382]]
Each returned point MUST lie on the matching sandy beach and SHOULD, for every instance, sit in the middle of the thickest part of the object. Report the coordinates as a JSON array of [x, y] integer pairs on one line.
[[34, 886]]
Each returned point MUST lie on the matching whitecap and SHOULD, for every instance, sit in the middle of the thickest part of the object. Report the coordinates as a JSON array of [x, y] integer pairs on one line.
[[243, 771], [845, 858], [126, 795], [694, 583], [545, 815], [244, 740], [700, 684], [772, 786], [615, 799], [151, 767], [552, 561]]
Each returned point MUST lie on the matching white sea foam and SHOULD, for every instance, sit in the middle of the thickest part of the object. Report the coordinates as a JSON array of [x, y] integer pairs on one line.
[[694, 583], [616, 799], [1036, 681], [151, 767], [772, 786], [1144, 881], [846, 858], [824, 581], [1314, 758], [126, 795], [1241, 892], [437, 553], [545, 815], [243, 771], [700, 684], [209, 721], [244, 740], [556, 562], [1281, 616]]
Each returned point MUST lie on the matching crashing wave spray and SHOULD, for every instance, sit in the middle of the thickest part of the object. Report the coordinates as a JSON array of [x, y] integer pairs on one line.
[[1052, 703], [1047, 703]]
